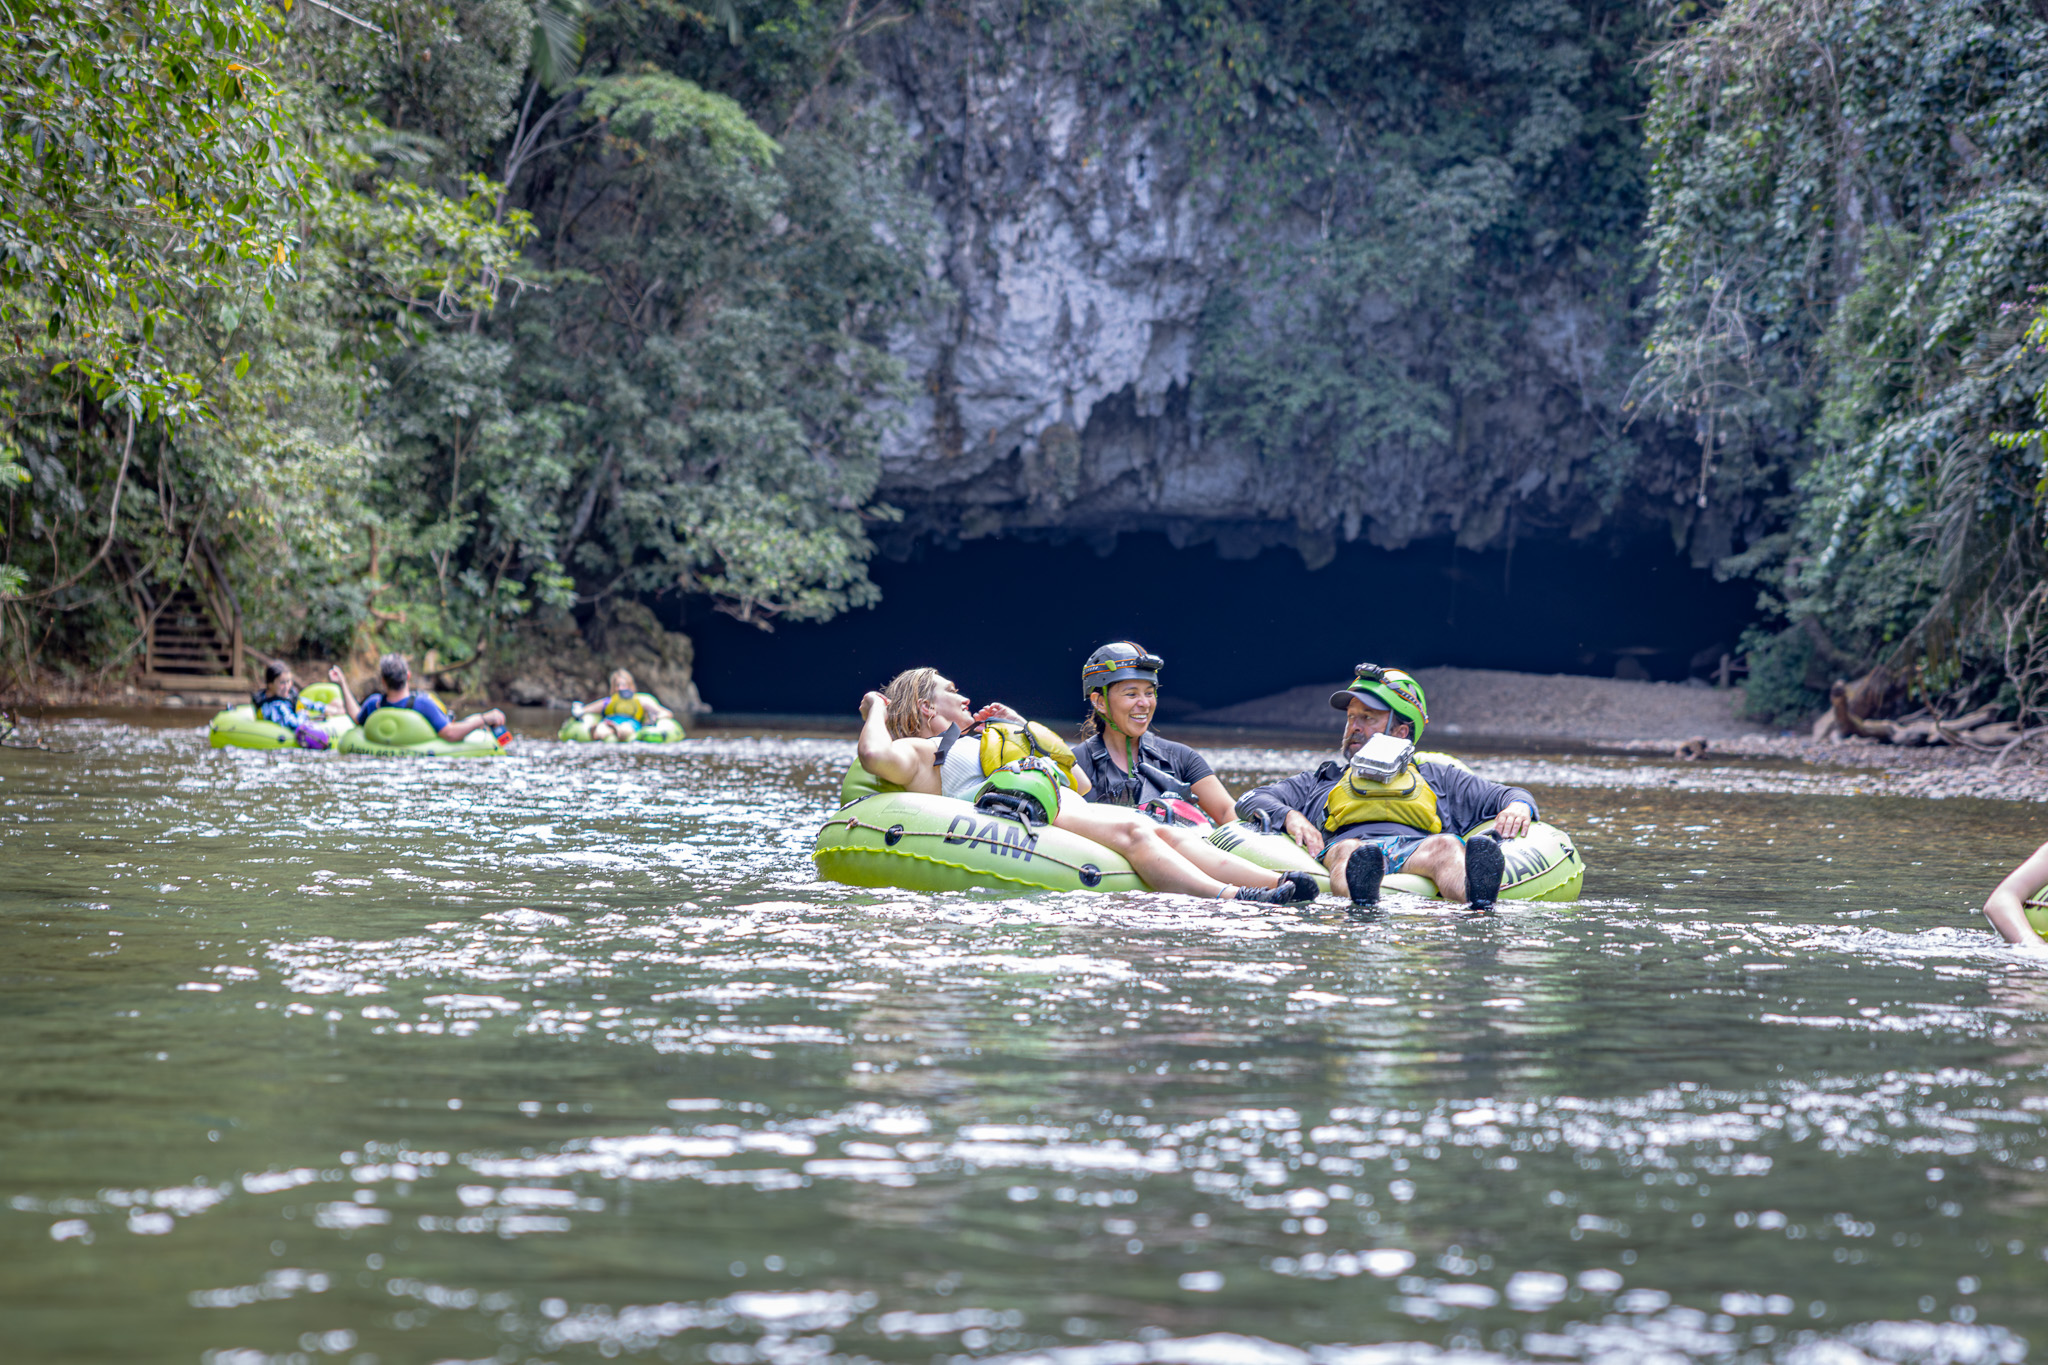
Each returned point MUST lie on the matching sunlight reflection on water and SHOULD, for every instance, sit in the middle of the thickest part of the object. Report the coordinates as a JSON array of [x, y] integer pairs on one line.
[[570, 1055]]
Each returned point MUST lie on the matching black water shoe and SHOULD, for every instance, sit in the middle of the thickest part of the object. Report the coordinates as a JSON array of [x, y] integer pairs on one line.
[[1305, 888], [1287, 893], [1362, 873], [1484, 864]]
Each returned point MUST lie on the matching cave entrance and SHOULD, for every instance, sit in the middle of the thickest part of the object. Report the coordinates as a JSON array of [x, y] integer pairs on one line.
[[1011, 619]]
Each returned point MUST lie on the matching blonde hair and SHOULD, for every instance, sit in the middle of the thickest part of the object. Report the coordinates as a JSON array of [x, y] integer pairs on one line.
[[625, 673], [907, 694]]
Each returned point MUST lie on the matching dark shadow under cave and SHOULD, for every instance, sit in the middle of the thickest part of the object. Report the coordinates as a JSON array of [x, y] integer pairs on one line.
[[1012, 620]]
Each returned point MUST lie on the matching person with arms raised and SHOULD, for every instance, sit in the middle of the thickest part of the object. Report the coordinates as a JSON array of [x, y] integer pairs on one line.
[[1380, 811], [912, 735], [396, 674]]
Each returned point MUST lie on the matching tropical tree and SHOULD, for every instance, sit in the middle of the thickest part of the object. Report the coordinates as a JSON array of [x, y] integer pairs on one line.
[[1849, 226]]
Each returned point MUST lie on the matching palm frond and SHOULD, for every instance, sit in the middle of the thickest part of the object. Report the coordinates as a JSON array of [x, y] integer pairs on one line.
[[557, 41]]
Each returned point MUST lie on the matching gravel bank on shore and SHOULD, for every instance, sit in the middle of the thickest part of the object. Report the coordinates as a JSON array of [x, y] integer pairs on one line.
[[1935, 772], [1472, 702], [1475, 705]]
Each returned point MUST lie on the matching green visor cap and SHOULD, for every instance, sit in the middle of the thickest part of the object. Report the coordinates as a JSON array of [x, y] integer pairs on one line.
[[1375, 695], [1385, 689]]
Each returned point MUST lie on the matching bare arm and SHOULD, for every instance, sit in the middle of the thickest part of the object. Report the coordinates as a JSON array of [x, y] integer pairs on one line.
[[2006, 909], [1214, 799], [900, 761], [1303, 831], [459, 729], [335, 676]]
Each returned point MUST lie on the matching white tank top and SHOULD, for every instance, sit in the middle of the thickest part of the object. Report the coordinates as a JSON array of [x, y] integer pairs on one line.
[[960, 776]]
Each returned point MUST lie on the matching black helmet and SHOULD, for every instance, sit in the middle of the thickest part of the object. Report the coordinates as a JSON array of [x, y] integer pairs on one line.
[[1115, 663]]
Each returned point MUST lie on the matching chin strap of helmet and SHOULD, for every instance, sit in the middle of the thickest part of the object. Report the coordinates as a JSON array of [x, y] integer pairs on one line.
[[1135, 763], [1133, 746]]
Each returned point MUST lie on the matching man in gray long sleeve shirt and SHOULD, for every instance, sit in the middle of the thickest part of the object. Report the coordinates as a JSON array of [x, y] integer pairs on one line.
[[1362, 829]]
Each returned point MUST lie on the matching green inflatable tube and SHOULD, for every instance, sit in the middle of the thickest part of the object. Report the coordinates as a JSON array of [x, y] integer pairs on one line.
[[578, 728], [1542, 865], [2036, 907], [941, 844], [937, 843], [241, 728], [882, 835], [401, 732]]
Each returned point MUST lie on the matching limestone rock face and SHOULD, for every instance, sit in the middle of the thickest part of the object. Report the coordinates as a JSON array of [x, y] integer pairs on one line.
[[626, 635], [560, 663], [1079, 247], [1080, 253]]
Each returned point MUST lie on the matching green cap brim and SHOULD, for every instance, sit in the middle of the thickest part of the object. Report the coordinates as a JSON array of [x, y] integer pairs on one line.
[[1341, 701]]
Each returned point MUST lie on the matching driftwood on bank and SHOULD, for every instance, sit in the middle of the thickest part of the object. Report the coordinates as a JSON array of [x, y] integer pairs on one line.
[[1853, 706]]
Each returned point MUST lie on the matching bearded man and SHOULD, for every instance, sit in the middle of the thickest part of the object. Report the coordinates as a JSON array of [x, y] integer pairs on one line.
[[1364, 821]]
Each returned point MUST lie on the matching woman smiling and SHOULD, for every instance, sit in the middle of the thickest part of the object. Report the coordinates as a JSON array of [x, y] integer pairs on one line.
[[1126, 764], [916, 734]]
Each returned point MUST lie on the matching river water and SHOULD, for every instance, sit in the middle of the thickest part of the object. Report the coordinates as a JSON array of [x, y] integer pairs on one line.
[[571, 1057]]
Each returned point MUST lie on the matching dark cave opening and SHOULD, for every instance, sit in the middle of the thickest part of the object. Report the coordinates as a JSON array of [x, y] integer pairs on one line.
[[1012, 619]]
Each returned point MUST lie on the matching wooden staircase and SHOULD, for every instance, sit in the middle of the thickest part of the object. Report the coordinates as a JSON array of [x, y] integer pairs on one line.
[[187, 647]]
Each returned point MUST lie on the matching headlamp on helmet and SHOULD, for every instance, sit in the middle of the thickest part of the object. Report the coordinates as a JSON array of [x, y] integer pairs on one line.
[[1118, 662], [1386, 689]]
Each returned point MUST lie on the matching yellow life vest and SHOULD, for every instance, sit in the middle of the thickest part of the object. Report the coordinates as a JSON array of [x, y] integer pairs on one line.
[[1006, 741], [636, 708], [1407, 800]]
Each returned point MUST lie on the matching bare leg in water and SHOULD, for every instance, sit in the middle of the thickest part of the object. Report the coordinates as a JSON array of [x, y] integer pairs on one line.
[[1441, 858], [1140, 841], [1190, 843]]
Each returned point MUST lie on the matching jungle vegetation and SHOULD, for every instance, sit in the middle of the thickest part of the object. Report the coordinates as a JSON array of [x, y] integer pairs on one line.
[[1848, 234], [1816, 226], [1411, 180], [421, 320], [413, 319]]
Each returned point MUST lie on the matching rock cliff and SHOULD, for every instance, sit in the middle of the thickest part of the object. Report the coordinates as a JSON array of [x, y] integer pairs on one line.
[[1082, 247]]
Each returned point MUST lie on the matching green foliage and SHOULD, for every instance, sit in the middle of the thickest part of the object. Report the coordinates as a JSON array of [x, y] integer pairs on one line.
[[653, 113], [253, 489], [1405, 177], [557, 321], [445, 80], [145, 154], [1777, 691], [1849, 219], [717, 333], [557, 42], [12, 471]]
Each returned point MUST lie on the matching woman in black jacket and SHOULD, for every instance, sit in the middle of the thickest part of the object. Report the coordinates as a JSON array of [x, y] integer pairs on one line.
[[1128, 765]]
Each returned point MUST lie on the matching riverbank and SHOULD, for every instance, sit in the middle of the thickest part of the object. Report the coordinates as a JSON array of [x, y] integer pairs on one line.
[[1472, 707], [1574, 731], [1937, 773], [1493, 704]]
